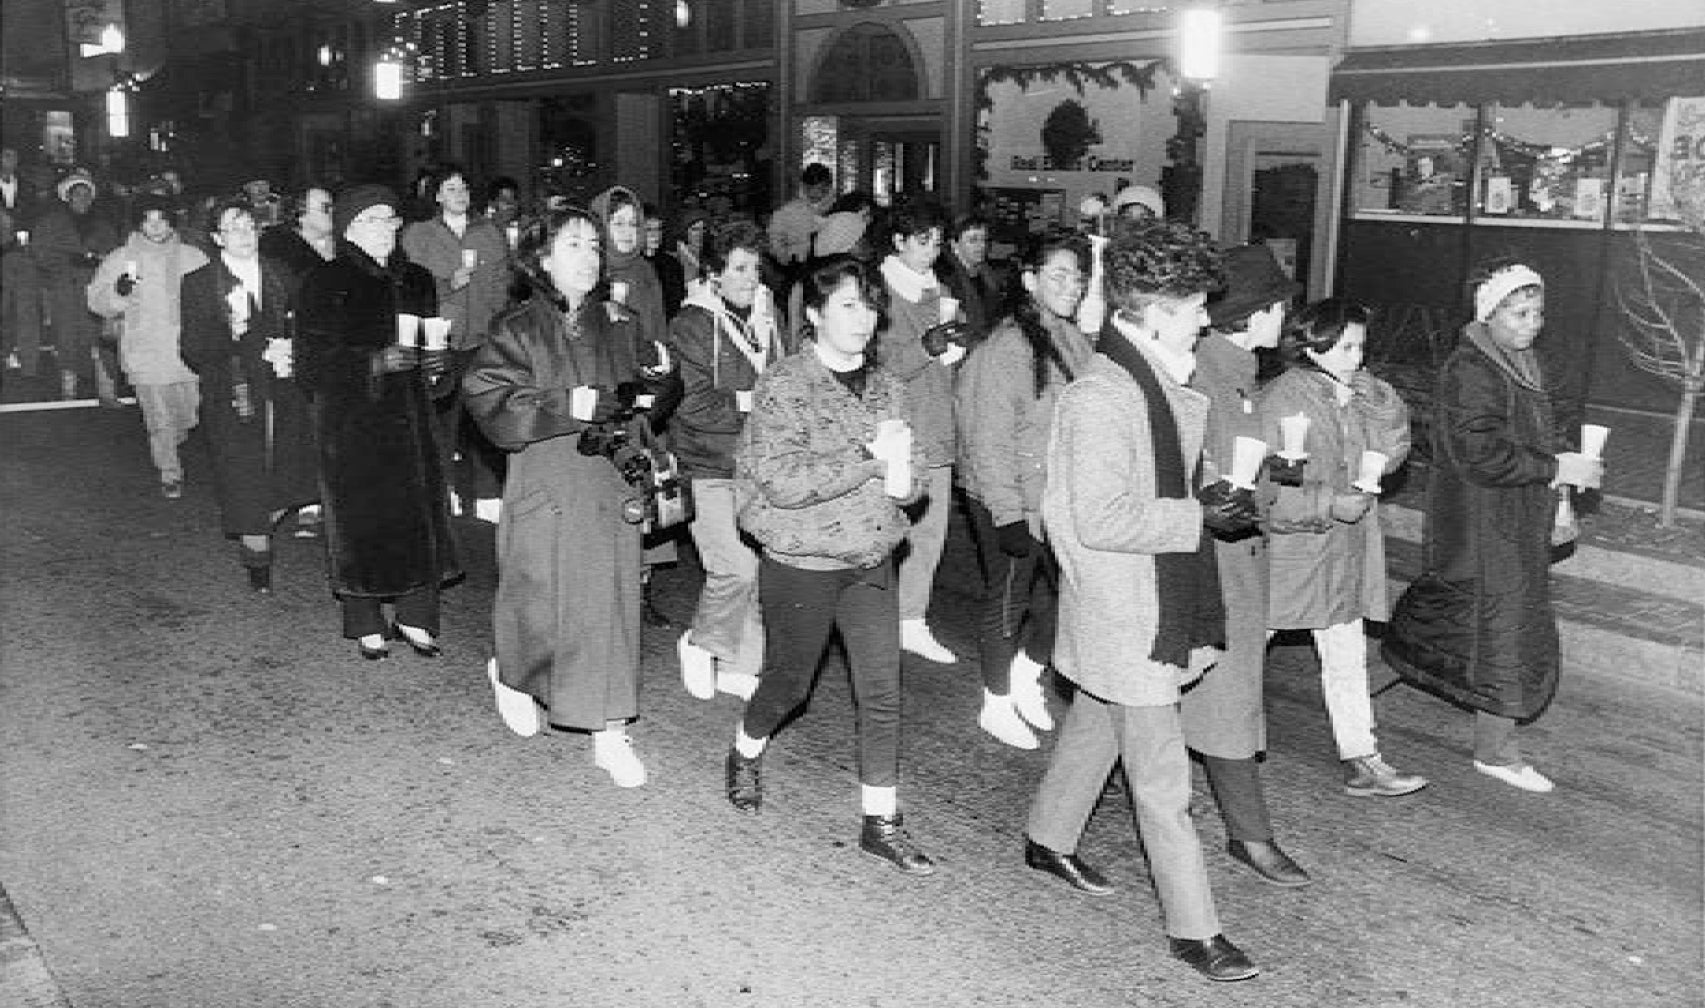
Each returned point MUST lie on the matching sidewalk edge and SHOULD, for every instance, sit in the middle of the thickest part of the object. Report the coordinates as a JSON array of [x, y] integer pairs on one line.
[[24, 977]]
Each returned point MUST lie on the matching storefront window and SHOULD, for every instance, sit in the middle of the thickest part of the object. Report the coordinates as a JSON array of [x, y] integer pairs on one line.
[[1415, 160], [1639, 150], [1547, 163]]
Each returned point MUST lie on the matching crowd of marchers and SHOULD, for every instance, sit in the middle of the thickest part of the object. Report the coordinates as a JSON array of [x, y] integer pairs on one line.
[[1162, 459]]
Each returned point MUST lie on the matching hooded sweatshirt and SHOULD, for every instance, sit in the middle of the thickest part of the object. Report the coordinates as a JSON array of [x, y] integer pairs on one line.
[[719, 354]]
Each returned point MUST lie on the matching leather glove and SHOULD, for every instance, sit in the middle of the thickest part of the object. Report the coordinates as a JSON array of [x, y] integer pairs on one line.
[[1351, 507], [435, 363], [1015, 539], [1228, 510], [1284, 471], [396, 358], [937, 339], [124, 285]]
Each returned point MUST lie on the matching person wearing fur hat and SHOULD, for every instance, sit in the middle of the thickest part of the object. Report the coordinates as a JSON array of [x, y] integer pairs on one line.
[[381, 471], [1477, 627], [1224, 718], [70, 239], [138, 284]]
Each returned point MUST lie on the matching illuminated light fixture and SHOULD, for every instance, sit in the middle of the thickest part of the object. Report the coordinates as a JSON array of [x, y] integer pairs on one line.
[[118, 112], [111, 43], [325, 55], [388, 78], [1199, 44], [683, 14]]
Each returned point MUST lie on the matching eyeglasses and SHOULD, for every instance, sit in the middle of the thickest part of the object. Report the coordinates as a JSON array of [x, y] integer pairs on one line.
[[381, 221], [239, 227]]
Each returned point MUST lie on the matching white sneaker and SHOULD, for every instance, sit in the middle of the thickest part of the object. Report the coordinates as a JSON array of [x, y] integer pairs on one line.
[[612, 752], [740, 684], [516, 708], [916, 638], [698, 667], [1521, 775], [1027, 695], [488, 509], [1000, 719]]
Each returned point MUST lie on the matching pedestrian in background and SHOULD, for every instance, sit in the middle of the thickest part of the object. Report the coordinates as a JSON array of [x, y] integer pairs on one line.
[[966, 274], [137, 285], [796, 222], [1326, 545], [1004, 406], [1140, 612], [470, 266], [303, 237], [69, 240], [549, 387], [826, 460], [238, 337], [358, 354], [1477, 627], [20, 286], [726, 335]]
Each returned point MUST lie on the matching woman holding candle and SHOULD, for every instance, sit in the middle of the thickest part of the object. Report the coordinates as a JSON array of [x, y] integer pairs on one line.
[[1477, 627], [1326, 550], [358, 355], [545, 388], [826, 460]]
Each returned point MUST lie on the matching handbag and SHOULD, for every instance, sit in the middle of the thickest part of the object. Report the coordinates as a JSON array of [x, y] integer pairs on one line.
[[664, 494]]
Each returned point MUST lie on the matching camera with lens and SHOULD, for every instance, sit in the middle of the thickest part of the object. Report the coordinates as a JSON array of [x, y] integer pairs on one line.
[[612, 434]]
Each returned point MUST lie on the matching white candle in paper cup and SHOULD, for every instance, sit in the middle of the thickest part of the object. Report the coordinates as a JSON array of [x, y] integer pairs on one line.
[[1592, 439], [949, 308], [470, 258], [23, 237], [1373, 467], [1246, 456], [408, 329], [619, 291], [130, 268], [743, 400], [238, 300], [582, 402], [1293, 431], [437, 332]]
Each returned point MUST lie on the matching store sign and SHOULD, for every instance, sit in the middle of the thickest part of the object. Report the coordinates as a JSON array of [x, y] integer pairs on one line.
[[1680, 165], [1042, 162]]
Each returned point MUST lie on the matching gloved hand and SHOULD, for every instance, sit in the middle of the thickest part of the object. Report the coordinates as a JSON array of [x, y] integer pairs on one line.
[[124, 285], [1015, 538], [1228, 510], [1351, 507], [1284, 471], [937, 339], [396, 358]]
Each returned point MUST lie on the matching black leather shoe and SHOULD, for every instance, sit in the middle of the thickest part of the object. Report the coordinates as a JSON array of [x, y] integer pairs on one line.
[[744, 779], [430, 649], [1269, 862], [260, 580], [379, 653], [1215, 958], [885, 837], [1069, 867]]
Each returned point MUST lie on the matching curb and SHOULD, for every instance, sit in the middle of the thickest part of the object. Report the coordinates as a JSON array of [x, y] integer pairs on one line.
[[1598, 652], [25, 980]]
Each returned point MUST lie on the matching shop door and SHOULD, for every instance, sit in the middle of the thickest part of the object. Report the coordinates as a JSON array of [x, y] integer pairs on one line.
[[1273, 195], [884, 162]]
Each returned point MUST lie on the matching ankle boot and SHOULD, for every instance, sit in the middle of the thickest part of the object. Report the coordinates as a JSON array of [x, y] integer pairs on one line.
[[743, 778], [258, 564], [885, 838]]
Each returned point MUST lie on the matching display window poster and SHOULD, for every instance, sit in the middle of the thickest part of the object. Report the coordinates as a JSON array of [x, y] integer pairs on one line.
[[1072, 131], [1680, 163]]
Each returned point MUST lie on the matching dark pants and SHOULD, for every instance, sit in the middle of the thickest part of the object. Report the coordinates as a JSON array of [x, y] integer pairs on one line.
[[473, 466], [1236, 784], [1019, 605], [801, 608], [363, 616]]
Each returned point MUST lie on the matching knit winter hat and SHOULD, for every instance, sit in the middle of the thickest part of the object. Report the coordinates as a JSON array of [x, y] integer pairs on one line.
[[355, 199]]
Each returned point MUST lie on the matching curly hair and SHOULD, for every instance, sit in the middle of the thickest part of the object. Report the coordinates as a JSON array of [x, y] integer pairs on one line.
[[1318, 327], [1027, 313], [1150, 260], [736, 234]]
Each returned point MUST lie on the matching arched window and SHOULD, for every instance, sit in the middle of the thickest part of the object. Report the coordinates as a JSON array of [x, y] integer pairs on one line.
[[868, 63]]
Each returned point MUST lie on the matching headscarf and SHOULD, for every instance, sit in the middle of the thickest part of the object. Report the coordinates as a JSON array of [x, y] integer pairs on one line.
[[603, 207]]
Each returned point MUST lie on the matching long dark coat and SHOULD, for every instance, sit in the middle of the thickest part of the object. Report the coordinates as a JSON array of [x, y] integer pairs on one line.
[[386, 509], [265, 461], [1477, 627], [566, 616]]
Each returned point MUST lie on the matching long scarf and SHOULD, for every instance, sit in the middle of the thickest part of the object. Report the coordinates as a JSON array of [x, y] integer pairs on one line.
[[1187, 585]]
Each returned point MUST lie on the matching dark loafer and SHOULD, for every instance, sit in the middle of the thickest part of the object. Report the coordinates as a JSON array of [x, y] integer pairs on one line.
[[1269, 862], [1215, 958], [1069, 867]]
